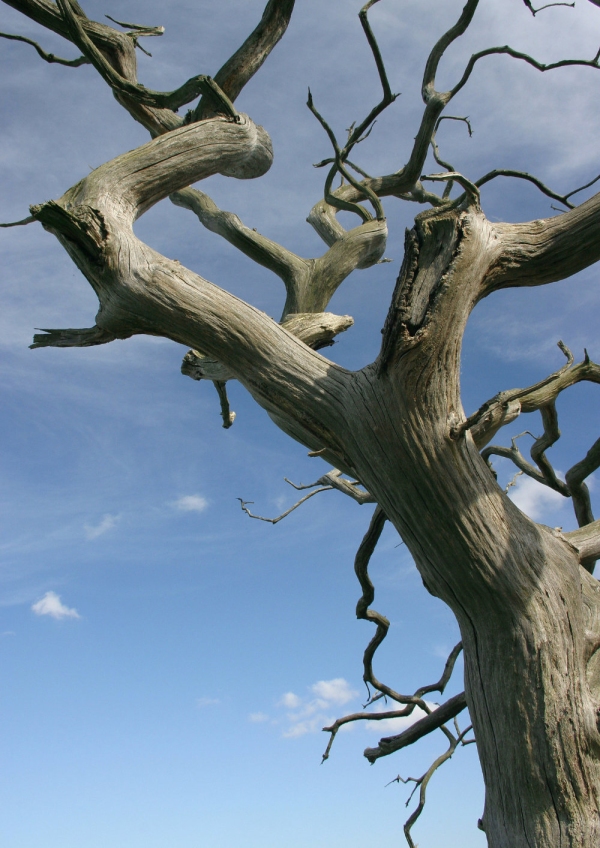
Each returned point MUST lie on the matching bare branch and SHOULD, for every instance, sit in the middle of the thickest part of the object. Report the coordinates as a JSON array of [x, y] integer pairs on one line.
[[436, 150], [334, 479], [22, 223], [338, 166], [442, 714], [48, 57], [579, 491], [74, 338], [169, 99], [245, 62], [471, 189], [524, 57], [422, 782], [446, 674], [586, 540], [287, 512], [310, 283], [140, 29], [523, 175], [547, 6], [506, 406], [356, 135], [423, 727]]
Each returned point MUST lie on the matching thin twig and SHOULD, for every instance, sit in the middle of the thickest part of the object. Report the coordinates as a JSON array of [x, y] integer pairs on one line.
[[287, 512], [48, 57], [21, 223], [523, 175], [158, 99], [534, 12]]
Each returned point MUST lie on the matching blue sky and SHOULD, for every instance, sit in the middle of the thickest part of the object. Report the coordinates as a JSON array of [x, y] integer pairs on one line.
[[167, 662]]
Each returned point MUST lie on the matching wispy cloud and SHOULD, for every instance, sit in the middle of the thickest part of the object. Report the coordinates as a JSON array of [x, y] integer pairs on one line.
[[52, 605], [207, 702], [191, 503], [308, 714], [107, 523], [258, 718], [534, 499]]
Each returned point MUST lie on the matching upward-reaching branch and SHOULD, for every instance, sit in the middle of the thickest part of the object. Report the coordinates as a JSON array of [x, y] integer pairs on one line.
[[245, 62]]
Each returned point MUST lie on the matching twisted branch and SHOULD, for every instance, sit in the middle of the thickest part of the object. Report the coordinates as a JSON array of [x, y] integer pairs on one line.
[[48, 57], [422, 782], [361, 568], [507, 406]]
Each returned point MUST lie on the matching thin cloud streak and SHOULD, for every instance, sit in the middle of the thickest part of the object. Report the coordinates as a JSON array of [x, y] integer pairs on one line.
[[107, 523], [191, 503]]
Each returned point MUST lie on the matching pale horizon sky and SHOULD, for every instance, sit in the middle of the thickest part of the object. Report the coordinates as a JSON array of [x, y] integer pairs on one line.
[[168, 662]]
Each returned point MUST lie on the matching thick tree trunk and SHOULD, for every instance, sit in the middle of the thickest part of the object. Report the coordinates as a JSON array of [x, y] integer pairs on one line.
[[529, 614]]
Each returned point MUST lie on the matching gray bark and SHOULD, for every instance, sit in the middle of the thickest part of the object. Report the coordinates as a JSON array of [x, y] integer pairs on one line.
[[529, 613]]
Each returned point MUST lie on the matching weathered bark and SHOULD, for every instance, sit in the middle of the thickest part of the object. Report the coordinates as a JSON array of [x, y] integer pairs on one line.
[[529, 614]]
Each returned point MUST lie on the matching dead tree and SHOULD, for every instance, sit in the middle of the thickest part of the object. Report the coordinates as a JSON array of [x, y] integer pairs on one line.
[[395, 432]]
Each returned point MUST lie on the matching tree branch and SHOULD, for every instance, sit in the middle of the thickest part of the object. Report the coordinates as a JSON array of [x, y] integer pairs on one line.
[[577, 488], [422, 782], [141, 291], [506, 406], [310, 283], [424, 726], [74, 338], [287, 512], [48, 57], [523, 175], [158, 99], [534, 12], [586, 540], [246, 61], [22, 223]]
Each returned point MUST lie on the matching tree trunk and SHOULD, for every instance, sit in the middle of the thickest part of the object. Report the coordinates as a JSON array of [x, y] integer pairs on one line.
[[529, 615]]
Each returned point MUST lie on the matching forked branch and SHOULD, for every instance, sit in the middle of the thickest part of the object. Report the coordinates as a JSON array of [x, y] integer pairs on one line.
[[507, 406], [363, 611], [422, 782]]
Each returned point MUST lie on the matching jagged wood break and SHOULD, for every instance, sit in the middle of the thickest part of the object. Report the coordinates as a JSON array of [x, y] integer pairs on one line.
[[523, 595]]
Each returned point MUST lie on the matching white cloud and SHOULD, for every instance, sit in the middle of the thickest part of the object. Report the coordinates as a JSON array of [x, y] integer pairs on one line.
[[191, 503], [310, 714], [107, 523], [337, 691], [52, 605], [289, 700], [207, 702], [534, 499], [258, 718]]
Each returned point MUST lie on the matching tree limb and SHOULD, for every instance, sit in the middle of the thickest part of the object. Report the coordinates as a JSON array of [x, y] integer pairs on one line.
[[310, 283], [142, 291], [246, 61], [586, 540], [539, 252], [48, 57], [422, 782], [73, 338], [389, 744], [506, 406], [523, 175]]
